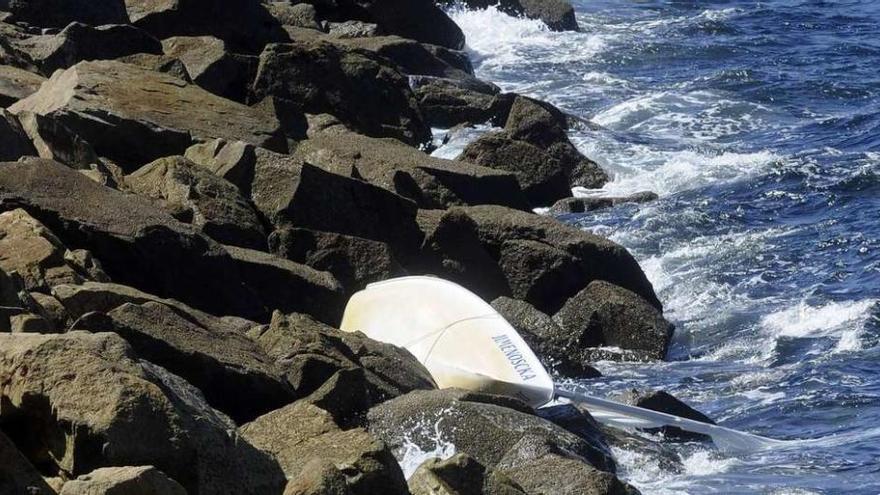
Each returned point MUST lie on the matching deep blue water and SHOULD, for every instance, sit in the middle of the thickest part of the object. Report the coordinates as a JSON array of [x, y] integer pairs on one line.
[[758, 123]]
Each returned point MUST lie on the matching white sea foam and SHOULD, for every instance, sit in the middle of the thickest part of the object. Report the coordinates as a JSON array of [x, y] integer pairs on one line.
[[412, 455], [845, 320]]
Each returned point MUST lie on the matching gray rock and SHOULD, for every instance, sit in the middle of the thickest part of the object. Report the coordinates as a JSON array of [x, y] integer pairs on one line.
[[132, 115], [159, 63], [311, 353], [558, 15], [212, 66], [319, 477], [129, 480], [659, 400], [16, 84], [544, 337], [361, 88], [414, 58], [604, 314], [116, 410], [288, 286], [354, 261], [491, 429], [301, 15], [582, 205], [552, 473], [352, 29], [475, 243], [230, 369], [447, 102], [460, 475], [134, 240], [299, 434], [78, 42], [194, 195], [245, 25], [430, 182]]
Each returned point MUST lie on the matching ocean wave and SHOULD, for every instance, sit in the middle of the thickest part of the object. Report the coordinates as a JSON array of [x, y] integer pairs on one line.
[[844, 320]]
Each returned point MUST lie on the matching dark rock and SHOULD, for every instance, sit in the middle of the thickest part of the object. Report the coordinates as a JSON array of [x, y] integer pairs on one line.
[[233, 161], [116, 410], [419, 20], [132, 115], [212, 66], [245, 25], [235, 375], [659, 400], [54, 141], [354, 261], [30, 323], [311, 353], [194, 195], [483, 426], [430, 182], [301, 433], [453, 250], [359, 87], [294, 123], [78, 42], [60, 13], [544, 336], [14, 143], [141, 480], [138, 243], [541, 175], [448, 102], [535, 146], [460, 475], [566, 262], [603, 314], [558, 15], [581, 205], [414, 58], [17, 474], [16, 84], [288, 286]]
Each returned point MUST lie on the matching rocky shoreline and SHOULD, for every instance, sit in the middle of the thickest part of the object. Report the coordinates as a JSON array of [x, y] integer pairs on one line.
[[191, 190]]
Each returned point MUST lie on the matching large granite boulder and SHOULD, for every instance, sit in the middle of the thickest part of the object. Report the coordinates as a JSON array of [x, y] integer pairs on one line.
[[300, 433], [311, 353], [194, 195], [535, 146], [604, 314], [85, 402], [137, 243], [446, 103], [285, 285], [128, 480], [212, 65], [78, 42], [430, 182], [60, 13], [364, 90], [244, 24], [133, 115], [496, 431], [413, 58], [230, 369], [540, 260], [354, 261]]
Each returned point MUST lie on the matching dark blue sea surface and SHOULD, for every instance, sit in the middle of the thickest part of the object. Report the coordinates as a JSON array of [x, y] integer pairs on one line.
[[758, 123]]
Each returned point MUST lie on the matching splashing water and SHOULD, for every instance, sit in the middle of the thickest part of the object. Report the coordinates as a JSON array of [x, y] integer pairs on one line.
[[759, 126]]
